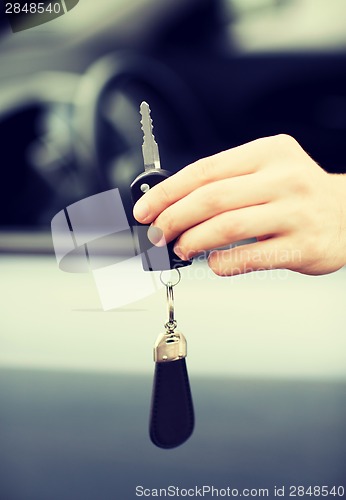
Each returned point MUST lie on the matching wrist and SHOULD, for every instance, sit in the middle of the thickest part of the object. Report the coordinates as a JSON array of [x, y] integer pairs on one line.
[[339, 188]]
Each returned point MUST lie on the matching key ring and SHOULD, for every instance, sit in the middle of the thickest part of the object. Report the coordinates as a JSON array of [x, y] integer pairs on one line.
[[171, 323], [170, 282]]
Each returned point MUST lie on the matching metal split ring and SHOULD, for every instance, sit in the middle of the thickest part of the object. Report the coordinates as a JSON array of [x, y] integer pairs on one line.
[[170, 281], [171, 323]]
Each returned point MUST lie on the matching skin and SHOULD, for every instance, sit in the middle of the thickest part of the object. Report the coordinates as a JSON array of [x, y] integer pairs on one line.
[[268, 189]]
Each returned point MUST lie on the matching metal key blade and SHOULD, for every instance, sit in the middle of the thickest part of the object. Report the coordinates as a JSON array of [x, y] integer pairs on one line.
[[150, 148]]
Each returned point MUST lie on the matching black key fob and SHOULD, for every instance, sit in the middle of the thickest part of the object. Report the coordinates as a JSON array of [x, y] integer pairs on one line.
[[153, 258]]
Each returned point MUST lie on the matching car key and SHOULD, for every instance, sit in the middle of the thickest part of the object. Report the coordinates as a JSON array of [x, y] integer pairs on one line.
[[153, 258]]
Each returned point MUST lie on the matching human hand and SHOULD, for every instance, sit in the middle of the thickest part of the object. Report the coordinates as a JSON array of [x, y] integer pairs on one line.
[[268, 189]]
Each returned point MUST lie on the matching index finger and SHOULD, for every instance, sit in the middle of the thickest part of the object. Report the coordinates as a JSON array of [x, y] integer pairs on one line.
[[234, 162]]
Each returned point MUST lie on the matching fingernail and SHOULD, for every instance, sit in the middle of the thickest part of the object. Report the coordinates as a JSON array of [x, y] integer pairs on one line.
[[155, 236], [141, 211], [178, 251]]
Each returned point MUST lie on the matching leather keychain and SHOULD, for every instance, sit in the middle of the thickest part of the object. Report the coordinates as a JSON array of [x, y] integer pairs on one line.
[[172, 414]]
